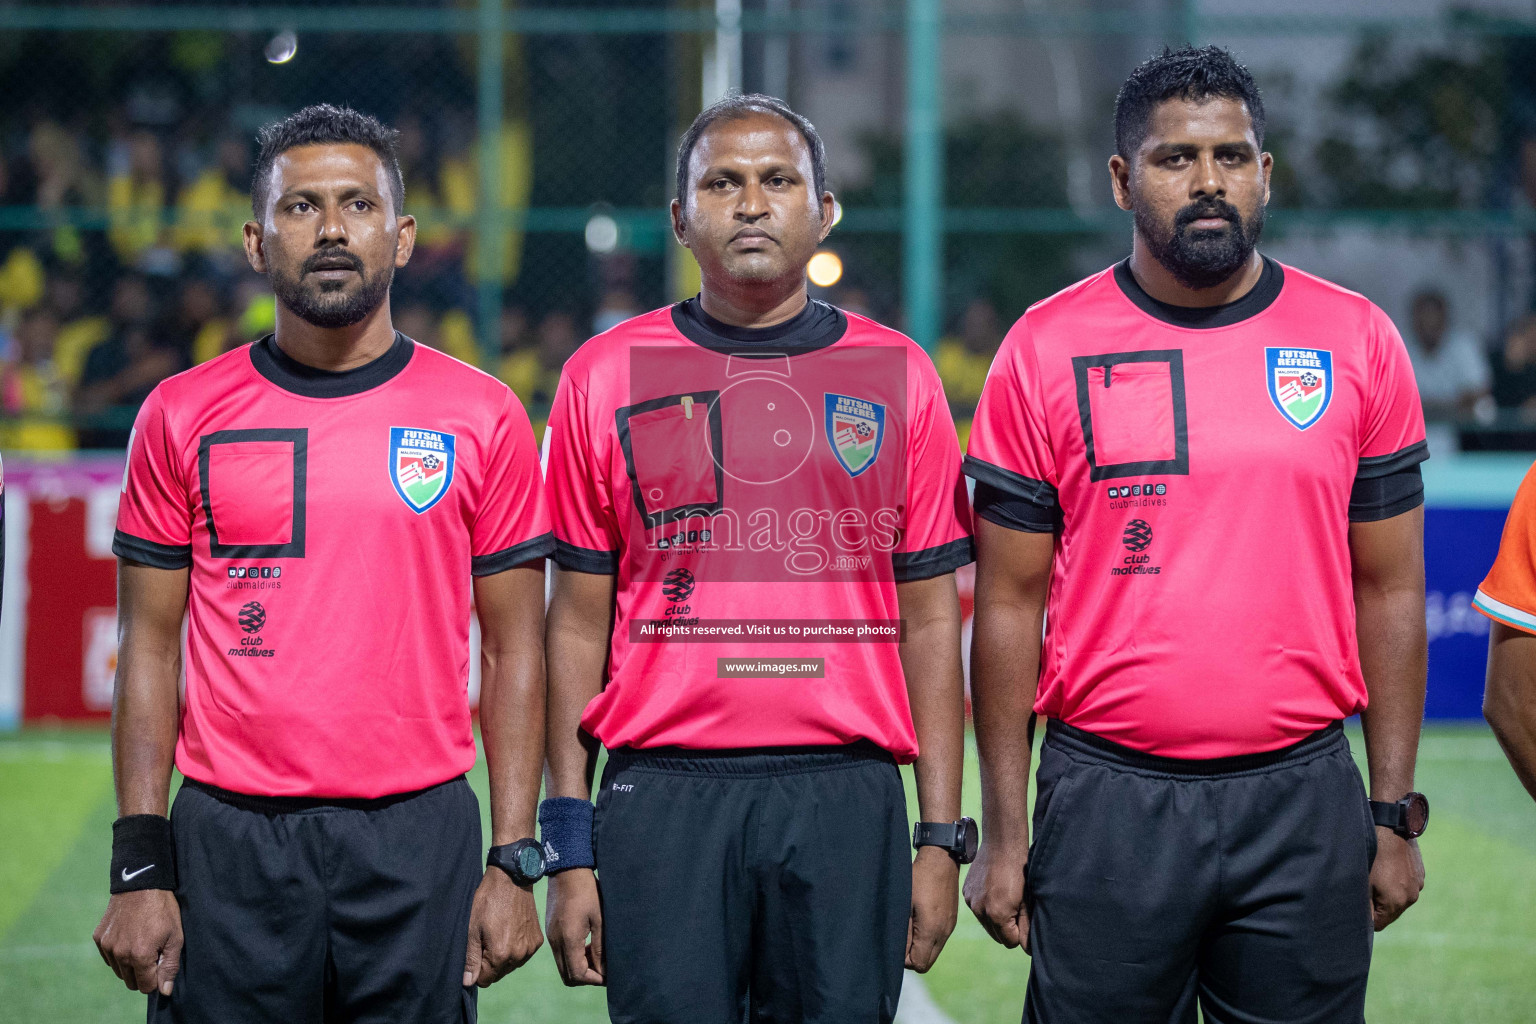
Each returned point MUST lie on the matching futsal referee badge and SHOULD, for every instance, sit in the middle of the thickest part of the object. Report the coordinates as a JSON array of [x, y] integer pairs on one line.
[[855, 429], [1300, 383], [420, 465]]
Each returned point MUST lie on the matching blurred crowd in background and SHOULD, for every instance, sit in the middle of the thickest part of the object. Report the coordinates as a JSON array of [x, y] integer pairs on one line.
[[93, 315], [1405, 168]]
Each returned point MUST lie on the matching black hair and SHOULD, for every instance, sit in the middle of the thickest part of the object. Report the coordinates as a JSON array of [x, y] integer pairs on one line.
[[1190, 73], [318, 125], [736, 107]]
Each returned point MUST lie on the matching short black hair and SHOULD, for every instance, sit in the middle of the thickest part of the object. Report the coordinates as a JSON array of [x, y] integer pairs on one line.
[[1190, 73], [322, 124], [738, 106]]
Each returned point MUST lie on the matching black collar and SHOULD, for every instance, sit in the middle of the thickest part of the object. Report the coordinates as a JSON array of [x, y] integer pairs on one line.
[[312, 382], [1259, 298], [815, 327]]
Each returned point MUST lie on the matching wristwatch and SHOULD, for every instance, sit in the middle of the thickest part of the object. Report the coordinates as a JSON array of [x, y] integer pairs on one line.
[[960, 838], [523, 860], [1407, 817]]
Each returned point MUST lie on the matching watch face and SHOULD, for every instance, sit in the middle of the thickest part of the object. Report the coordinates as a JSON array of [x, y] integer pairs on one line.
[[970, 839], [1416, 817], [530, 861]]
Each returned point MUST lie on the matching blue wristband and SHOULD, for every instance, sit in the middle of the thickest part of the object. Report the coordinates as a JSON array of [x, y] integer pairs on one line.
[[565, 826]]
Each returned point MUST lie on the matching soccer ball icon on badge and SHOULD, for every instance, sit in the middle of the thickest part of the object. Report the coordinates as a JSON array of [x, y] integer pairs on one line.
[[766, 425]]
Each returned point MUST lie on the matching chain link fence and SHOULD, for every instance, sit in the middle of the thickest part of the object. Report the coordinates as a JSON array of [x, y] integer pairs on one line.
[[538, 143]]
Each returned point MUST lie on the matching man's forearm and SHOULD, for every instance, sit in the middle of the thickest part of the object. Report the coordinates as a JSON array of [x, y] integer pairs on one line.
[[144, 723], [146, 696], [576, 674], [1005, 660], [930, 660], [510, 606], [1390, 626], [512, 730], [579, 626]]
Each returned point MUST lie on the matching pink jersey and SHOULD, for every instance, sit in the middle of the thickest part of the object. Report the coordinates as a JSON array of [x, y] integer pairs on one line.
[[758, 496], [332, 522], [1201, 602]]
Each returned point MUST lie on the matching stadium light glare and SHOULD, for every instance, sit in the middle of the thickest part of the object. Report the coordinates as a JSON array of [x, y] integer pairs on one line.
[[837, 213], [825, 269], [602, 234], [282, 47]]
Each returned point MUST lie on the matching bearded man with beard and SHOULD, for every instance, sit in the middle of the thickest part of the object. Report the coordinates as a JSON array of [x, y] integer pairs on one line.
[[1199, 549], [320, 506]]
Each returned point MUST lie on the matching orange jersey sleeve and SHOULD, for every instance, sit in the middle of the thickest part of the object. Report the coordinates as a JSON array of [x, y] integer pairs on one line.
[[1508, 594]]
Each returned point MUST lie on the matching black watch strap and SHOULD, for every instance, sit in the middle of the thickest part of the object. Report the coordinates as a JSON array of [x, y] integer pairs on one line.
[[937, 833], [958, 838], [1387, 815]]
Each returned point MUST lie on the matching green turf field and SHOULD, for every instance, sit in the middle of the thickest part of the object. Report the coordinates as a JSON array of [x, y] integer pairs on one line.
[[1467, 952]]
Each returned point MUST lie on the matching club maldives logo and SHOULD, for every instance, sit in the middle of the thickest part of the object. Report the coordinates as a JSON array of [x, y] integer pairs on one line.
[[252, 617], [1137, 536], [1300, 383], [677, 586], [420, 465], [855, 429]]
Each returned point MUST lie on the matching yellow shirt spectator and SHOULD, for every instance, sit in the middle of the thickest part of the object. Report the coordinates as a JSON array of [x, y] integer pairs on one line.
[[963, 371], [459, 196], [74, 343], [211, 214]]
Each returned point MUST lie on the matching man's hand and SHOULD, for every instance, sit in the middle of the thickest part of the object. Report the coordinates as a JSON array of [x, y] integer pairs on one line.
[[1397, 877], [571, 913], [503, 929], [935, 905], [140, 939], [994, 890]]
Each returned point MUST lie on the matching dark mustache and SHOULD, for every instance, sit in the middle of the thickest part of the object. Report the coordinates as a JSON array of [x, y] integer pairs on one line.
[[1209, 208], [333, 256]]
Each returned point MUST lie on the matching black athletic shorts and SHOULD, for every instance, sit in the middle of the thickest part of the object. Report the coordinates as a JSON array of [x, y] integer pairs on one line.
[[763, 886], [1240, 883], [300, 911]]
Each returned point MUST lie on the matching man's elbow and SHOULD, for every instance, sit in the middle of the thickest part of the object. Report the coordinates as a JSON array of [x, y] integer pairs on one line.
[[1501, 703]]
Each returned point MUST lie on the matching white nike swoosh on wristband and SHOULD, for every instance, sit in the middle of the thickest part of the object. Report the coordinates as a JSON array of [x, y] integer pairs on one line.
[[127, 876]]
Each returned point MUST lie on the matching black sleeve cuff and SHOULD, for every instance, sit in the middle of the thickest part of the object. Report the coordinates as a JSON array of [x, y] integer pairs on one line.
[[517, 554], [1016, 485], [911, 566], [1394, 462], [147, 552], [1374, 498], [601, 563], [998, 506]]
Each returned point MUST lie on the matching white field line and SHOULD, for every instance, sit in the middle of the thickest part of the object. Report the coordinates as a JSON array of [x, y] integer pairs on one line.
[[53, 751], [917, 1006]]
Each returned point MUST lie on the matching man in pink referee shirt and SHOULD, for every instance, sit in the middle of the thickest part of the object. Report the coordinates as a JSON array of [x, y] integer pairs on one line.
[[319, 507], [758, 510], [1199, 468]]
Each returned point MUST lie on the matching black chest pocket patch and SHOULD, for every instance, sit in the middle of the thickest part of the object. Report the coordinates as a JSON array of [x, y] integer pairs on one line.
[[1131, 405]]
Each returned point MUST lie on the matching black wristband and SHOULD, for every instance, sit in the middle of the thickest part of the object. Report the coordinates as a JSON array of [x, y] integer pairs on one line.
[[143, 854]]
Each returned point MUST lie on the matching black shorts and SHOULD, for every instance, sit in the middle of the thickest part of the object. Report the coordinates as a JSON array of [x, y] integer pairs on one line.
[[1241, 884], [770, 886], [306, 911]]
